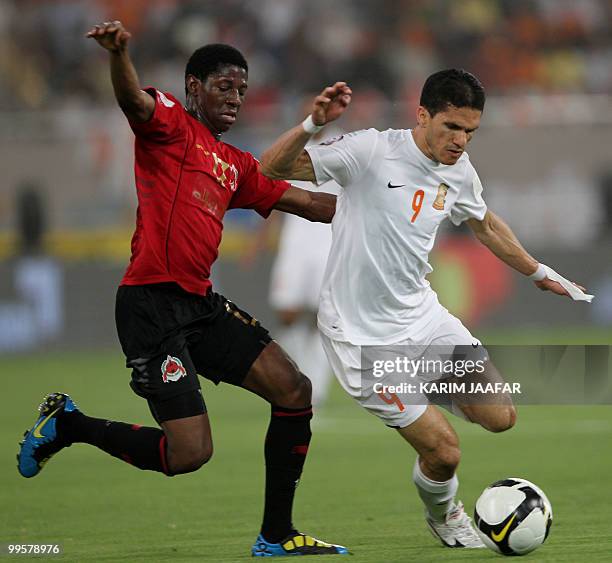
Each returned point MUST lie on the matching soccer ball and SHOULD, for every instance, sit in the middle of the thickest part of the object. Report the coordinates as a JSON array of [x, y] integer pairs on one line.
[[513, 516]]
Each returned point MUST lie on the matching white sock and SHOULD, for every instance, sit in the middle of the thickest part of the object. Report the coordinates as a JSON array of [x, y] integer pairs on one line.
[[438, 496]]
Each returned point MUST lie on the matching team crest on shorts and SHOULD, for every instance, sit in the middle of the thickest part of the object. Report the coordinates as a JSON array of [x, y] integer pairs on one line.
[[441, 197], [172, 369]]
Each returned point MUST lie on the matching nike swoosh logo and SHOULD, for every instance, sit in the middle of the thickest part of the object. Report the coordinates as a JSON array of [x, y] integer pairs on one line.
[[499, 537], [42, 423], [390, 185]]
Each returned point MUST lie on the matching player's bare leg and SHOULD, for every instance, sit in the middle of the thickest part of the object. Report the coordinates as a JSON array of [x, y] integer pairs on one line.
[[495, 414], [437, 444], [188, 443], [275, 377]]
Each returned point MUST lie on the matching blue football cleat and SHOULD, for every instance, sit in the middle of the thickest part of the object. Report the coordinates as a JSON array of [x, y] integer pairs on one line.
[[295, 544], [42, 441]]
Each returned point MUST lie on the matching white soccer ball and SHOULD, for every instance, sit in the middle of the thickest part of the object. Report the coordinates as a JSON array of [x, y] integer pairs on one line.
[[513, 516]]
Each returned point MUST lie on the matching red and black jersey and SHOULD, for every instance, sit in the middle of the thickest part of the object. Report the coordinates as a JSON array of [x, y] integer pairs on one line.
[[186, 180]]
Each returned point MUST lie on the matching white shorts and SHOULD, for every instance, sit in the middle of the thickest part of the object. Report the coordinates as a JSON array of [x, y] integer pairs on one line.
[[297, 273], [346, 362]]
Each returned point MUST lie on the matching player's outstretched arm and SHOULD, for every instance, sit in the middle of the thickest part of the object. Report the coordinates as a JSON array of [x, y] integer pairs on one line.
[[318, 207], [495, 234], [286, 159], [135, 103]]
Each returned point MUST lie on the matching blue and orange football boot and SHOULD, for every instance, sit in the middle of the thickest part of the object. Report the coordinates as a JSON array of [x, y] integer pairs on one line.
[[42, 441], [295, 544]]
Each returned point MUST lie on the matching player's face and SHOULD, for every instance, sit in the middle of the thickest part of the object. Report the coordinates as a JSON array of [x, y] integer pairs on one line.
[[220, 97], [448, 132]]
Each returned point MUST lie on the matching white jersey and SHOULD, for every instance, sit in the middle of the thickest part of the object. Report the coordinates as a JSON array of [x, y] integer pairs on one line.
[[387, 217]]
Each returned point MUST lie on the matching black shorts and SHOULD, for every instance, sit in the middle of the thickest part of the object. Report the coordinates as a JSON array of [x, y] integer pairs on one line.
[[169, 336]]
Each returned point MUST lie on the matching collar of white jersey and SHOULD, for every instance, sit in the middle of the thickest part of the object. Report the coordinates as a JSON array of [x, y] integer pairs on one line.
[[421, 156]]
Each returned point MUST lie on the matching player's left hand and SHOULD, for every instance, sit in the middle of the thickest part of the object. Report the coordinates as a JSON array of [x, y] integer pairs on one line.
[[331, 103], [549, 285]]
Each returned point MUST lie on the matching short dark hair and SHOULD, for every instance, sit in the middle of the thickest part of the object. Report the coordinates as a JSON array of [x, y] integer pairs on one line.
[[455, 87], [210, 58]]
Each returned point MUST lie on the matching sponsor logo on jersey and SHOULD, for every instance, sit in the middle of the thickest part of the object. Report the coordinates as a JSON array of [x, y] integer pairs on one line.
[[390, 185], [172, 369], [209, 200], [441, 197], [164, 100]]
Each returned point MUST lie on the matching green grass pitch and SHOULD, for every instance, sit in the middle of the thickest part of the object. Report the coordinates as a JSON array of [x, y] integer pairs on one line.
[[356, 488]]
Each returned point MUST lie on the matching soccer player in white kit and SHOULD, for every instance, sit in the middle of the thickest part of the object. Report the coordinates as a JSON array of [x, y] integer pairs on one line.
[[398, 186]]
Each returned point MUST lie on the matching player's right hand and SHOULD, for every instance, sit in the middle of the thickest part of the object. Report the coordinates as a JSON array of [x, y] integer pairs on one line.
[[331, 103], [110, 35]]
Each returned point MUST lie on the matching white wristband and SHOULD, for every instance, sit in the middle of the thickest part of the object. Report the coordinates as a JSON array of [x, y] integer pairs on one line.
[[539, 274], [309, 126]]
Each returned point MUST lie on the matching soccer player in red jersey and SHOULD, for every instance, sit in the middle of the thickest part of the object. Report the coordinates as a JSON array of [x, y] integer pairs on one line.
[[171, 325]]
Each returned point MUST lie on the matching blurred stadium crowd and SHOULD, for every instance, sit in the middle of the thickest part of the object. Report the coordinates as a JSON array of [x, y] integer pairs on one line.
[[546, 64], [382, 46]]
